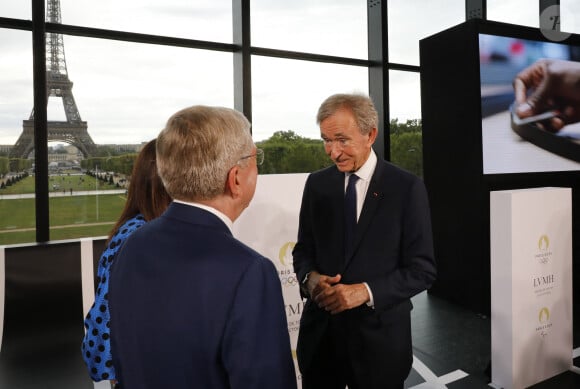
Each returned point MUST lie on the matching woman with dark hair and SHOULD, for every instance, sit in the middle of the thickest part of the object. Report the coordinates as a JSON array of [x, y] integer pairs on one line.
[[146, 200]]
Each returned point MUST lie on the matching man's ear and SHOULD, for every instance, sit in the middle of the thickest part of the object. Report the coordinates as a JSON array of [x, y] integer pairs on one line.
[[373, 135], [233, 182]]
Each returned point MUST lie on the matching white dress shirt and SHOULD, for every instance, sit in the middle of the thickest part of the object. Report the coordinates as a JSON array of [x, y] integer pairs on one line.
[[364, 173]]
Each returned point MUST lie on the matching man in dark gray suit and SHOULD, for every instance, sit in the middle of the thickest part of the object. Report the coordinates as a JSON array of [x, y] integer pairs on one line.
[[191, 306], [355, 328]]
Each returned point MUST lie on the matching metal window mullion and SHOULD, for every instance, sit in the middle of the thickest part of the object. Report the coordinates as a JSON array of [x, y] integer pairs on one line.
[[378, 49], [242, 57], [40, 121]]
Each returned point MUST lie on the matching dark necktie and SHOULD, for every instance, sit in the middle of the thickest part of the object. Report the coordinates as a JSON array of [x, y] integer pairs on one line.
[[350, 213]]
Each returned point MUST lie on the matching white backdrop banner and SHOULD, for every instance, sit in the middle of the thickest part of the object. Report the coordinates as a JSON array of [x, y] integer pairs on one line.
[[270, 226], [531, 285]]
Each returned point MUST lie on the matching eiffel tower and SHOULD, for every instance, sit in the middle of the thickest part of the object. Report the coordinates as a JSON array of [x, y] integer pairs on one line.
[[74, 130]]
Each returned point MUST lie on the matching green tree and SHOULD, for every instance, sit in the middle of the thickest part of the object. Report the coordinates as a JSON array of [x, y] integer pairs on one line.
[[19, 164], [107, 151], [407, 145], [4, 165], [411, 125], [288, 152], [122, 164]]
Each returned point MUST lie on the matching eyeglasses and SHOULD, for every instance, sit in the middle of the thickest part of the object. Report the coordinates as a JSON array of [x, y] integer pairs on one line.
[[339, 142], [259, 157]]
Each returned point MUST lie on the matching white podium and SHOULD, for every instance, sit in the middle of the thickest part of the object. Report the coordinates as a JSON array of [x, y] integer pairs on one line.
[[531, 285]]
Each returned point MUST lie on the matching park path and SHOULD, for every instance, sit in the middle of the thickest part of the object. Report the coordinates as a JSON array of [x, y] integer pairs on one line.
[[55, 227], [63, 194]]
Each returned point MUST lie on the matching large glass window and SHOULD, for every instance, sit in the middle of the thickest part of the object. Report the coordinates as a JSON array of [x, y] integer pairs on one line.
[[323, 26], [127, 95], [125, 103], [124, 91], [410, 21], [287, 93], [17, 220], [522, 12], [286, 97], [570, 16], [405, 123], [15, 9], [201, 19], [405, 92]]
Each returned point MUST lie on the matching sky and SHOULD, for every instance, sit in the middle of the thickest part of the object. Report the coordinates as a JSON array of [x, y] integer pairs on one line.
[[126, 91]]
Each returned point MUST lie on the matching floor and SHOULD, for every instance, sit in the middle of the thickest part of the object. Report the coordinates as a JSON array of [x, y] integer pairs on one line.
[[452, 348]]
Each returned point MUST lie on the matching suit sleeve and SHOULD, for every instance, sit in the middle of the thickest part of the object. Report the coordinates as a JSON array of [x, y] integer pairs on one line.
[[304, 250], [256, 348], [417, 270]]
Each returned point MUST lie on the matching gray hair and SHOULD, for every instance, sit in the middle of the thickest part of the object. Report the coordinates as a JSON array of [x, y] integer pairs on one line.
[[361, 106], [198, 147]]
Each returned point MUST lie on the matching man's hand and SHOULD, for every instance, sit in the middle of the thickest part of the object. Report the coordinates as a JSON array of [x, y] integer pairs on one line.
[[340, 297], [549, 84], [318, 282]]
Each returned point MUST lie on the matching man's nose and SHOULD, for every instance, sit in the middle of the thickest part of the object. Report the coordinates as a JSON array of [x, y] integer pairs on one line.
[[334, 150]]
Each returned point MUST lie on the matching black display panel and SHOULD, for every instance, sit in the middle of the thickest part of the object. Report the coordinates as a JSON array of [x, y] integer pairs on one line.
[[467, 73]]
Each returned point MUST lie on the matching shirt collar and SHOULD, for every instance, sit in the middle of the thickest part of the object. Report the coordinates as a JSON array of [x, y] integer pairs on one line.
[[219, 214], [366, 170]]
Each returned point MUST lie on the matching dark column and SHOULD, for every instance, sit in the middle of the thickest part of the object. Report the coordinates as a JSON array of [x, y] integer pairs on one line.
[[378, 45], [242, 57], [475, 9], [40, 120], [551, 20]]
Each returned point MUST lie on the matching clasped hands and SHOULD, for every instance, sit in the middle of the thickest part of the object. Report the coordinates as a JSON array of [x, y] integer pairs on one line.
[[334, 297]]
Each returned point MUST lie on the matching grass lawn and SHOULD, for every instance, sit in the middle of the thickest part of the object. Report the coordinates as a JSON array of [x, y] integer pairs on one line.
[[70, 217]]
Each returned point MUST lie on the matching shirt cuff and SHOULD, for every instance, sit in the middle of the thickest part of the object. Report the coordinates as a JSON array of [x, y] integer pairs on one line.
[[371, 302]]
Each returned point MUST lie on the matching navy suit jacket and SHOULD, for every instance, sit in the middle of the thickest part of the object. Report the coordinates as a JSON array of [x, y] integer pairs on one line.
[[392, 253], [192, 307]]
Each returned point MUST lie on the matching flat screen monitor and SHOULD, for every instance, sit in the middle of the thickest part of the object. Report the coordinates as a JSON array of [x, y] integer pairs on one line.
[[509, 144]]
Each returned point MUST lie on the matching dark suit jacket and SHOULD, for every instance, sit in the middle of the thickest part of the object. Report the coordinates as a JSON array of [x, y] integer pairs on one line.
[[393, 253], [192, 307]]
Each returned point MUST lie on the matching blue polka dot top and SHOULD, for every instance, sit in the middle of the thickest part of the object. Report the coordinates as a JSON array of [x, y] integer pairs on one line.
[[96, 346]]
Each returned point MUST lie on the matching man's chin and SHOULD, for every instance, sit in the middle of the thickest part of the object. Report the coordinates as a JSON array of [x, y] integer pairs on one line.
[[344, 167]]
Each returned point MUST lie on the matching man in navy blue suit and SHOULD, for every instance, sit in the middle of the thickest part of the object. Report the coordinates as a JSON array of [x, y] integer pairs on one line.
[[355, 328], [191, 306]]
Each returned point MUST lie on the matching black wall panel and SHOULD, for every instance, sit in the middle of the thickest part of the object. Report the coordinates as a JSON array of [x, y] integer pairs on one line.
[[43, 318]]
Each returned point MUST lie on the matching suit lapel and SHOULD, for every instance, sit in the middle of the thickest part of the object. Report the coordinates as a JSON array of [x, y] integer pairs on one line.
[[333, 188]]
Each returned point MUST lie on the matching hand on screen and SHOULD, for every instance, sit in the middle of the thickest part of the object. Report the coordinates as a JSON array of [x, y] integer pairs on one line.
[[549, 84]]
